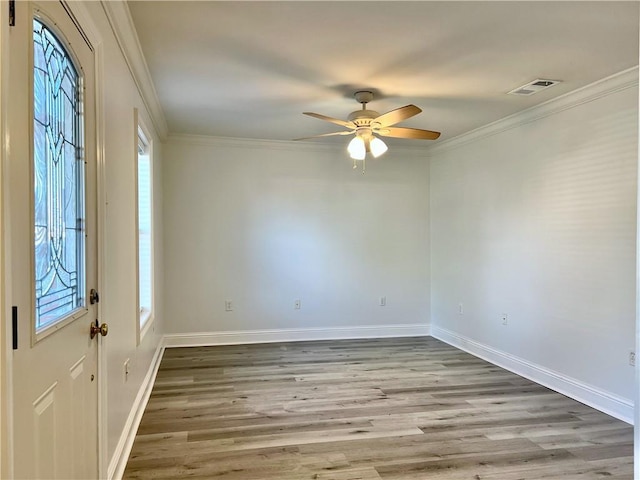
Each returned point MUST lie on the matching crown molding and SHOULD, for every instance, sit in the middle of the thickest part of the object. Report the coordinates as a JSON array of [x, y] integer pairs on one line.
[[606, 86], [124, 30], [252, 143], [290, 145]]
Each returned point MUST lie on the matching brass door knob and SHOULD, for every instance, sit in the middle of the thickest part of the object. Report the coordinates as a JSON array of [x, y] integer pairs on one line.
[[95, 329]]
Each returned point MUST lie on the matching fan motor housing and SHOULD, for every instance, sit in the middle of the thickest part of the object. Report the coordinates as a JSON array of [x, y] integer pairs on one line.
[[366, 124], [363, 117]]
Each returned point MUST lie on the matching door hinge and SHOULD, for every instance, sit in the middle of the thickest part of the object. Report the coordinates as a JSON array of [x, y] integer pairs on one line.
[[94, 297], [12, 13], [14, 326]]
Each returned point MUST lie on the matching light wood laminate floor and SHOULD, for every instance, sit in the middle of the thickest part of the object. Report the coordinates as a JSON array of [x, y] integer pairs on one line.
[[393, 409]]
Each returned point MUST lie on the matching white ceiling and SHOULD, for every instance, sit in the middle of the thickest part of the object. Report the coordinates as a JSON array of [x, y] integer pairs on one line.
[[249, 69]]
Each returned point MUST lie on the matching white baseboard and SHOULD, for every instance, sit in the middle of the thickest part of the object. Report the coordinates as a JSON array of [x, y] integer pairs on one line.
[[125, 443], [294, 335], [606, 402], [609, 403]]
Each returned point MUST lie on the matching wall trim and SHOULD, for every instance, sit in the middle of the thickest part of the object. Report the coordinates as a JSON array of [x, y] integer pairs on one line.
[[606, 402], [261, 144], [124, 30], [125, 443], [202, 339], [609, 403], [6, 354], [601, 88], [258, 144]]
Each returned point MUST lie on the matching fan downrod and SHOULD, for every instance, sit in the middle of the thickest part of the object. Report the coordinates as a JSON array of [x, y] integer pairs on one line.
[[363, 117]]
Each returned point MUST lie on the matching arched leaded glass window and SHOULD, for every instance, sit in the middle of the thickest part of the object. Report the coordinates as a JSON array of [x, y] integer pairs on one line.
[[58, 180]]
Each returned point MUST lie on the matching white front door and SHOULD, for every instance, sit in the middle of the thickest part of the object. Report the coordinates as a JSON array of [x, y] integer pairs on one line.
[[53, 245]]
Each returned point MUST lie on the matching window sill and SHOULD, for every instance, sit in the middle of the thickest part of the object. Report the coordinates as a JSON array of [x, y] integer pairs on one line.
[[146, 320]]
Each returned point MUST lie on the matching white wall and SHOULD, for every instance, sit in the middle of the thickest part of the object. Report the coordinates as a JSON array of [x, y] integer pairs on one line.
[[266, 223], [539, 221], [118, 296]]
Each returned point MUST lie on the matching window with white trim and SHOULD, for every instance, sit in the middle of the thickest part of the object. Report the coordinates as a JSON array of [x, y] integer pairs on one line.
[[145, 228], [58, 182]]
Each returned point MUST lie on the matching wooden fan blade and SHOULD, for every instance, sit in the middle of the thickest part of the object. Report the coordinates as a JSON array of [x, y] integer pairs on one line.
[[395, 116], [337, 121], [402, 132], [346, 132]]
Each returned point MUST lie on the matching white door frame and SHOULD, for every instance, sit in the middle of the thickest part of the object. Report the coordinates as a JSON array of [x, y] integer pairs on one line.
[[6, 424], [87, 25], [82, 17], [636, 407]]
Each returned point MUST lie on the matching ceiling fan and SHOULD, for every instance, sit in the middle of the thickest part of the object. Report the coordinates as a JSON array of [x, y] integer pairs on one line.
[[366, 124]]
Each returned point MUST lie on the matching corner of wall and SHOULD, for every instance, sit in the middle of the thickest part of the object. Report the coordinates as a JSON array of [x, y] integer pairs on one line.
[[124, 30], [618, 407], [508, 220]]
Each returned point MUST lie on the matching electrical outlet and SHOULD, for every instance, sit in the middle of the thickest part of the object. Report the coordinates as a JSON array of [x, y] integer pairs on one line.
[[228, 306], [126, 369], [632, 359], [504, 318], [460, 309], [383, 301], [296, 304]]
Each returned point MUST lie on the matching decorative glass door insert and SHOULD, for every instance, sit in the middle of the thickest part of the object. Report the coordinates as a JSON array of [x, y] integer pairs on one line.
[[58, 174]]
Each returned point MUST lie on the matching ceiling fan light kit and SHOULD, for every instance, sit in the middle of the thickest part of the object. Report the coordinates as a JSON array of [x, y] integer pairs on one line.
[[357, 149], [377, 147], [366, 124]]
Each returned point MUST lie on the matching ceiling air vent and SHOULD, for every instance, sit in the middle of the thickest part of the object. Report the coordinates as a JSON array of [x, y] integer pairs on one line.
[[535, 86]]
